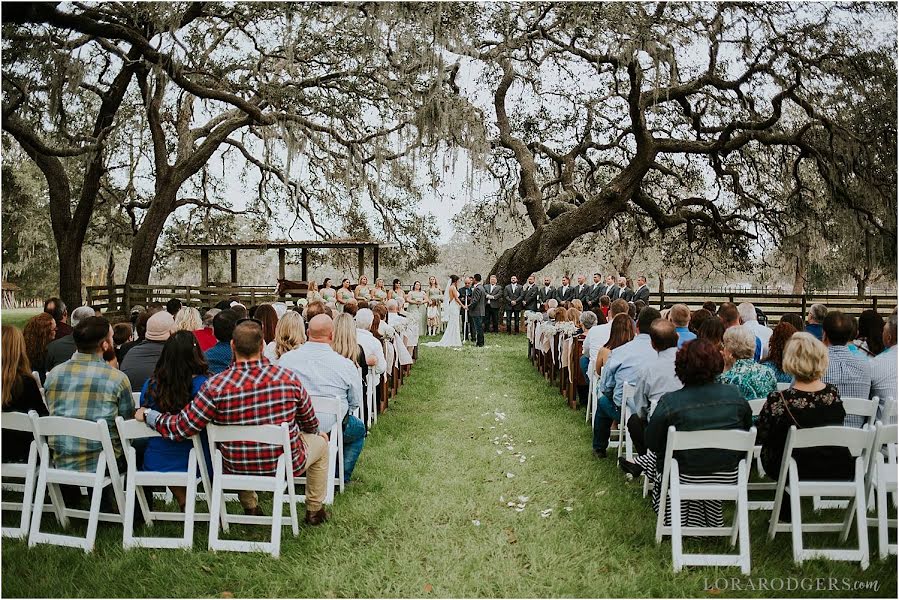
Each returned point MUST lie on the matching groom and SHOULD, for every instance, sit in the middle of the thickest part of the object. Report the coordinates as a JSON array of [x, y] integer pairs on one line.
[[477, 309]]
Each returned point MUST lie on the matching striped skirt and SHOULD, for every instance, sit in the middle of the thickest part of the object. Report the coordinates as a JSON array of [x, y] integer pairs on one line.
[[694, 513]]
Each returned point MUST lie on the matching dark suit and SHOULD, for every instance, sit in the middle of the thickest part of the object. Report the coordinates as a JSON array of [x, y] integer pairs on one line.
[[476, 310], [627, 294], [545, 293], [529, 297], [582, 293], [514, 296], [642, 293], [59, 351], [492, 306], [565, 293], [465, 299], [595, 292], [613, 292]]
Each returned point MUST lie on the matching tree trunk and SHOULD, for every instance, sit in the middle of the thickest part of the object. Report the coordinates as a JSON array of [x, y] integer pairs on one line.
[[143, 248], [799, 273], [861, 285], [69, 249]]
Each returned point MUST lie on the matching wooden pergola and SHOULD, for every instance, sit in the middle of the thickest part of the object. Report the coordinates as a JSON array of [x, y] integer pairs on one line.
[[282, 247]]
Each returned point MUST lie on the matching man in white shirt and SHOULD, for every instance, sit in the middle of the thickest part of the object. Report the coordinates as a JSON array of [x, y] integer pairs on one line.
[[599, 335], [393, 315], [323, 372], [750, 319], [370, 344]]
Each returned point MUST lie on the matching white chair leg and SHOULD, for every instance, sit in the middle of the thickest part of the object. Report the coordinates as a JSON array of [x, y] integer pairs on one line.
[[278, 506], [861, 515], [190, 502], [215, 507], [743, 519], [795, 513], [128, 520], [39, 508], [96, 497], [676, 540]]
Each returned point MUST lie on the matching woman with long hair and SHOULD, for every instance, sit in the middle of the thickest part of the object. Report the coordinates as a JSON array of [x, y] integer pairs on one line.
[[188, 319], [290, 334], [362, 291], [180, 373], [776, 346], [712, 330], [344, 295], [327, 293], [344, 341], [379, 293], [870, 333], [268, 316], [418, 307], [621, 332], [39, 331], [20, 392], [312, 294]]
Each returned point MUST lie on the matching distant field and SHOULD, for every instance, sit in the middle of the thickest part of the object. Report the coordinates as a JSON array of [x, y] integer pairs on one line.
[[17, 316]]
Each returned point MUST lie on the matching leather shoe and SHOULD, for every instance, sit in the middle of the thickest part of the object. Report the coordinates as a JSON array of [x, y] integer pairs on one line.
[[316, 517], [600, 453], [632, 469]]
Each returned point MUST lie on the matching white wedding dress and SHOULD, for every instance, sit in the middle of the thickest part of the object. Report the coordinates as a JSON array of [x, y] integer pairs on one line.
[[452, 336]]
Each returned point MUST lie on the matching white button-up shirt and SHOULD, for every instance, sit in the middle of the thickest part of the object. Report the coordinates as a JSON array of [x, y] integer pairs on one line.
[[372, 347]]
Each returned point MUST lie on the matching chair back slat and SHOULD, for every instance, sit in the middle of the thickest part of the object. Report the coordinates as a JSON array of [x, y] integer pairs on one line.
[[262, 434], [328, 405], [81, 428], [17, 421], [862, 407], [719, 439], [856, 440], [135, 396], [133, 430]]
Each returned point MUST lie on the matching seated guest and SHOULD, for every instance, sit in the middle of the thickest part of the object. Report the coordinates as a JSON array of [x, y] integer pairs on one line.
[[351, 308], [324, 372], [729, 315], [188, 319], [370, 344], [639, 305], [140, 362], [655, 379], [702, 404], [605, 305], [697, 319], [753, 379], [20, 393], [85, 387], [808, 403], [61, 349], [393, 314], [384, 328], [173, 306], [599, 335], [712, 330], [265, 314], [710, 306], [252, 391], [39, 331], [60, 316], [749, 318], [205, 334], [178, 376], [870, 333], [883, 372], [815, 320], [632, 310], [680, 316], [121, 335], [313, 309], [588, 322], [140, 330], [849, 372], [794, 320], [290, 334], [573, 315], [776, 346], [219, 357], [622, 367]]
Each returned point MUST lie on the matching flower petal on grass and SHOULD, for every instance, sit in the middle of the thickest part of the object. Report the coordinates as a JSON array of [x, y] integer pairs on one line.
[[546, 512]]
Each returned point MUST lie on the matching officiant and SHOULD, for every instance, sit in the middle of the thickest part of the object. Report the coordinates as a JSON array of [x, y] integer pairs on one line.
[[465, 299]]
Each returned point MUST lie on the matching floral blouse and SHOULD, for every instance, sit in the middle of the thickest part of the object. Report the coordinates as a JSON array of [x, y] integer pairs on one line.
[[806, 409], [779, 375], [753, 379]]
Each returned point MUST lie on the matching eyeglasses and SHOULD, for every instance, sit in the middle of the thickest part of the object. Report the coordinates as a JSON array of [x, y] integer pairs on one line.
[[248, 320]]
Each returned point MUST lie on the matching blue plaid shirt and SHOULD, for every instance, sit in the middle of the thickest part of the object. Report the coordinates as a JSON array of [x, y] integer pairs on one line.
[[219, 357], [85, 387], [851, 374]]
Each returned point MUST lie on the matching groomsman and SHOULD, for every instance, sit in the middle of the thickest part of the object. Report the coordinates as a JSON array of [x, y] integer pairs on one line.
[[530, 292], [626, 292], [547, 292], [582, 291], [494, 295], [465, 298], [597, 291], [476, 310], [642, 292], [514, 294], [565, 293], [612, 291]]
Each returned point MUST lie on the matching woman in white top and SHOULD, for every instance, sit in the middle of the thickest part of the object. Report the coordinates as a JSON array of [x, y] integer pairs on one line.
[[290, 334]]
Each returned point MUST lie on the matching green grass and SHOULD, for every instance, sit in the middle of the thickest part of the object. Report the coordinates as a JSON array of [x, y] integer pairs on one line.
[[430, 469], [17, 316]]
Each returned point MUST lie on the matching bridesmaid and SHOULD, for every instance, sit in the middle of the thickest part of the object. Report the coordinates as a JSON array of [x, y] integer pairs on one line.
[[418, 306], [379, 293], [434, 292], [312, 294], [362, 291], [396, 293], [344, 295], [327, 293]]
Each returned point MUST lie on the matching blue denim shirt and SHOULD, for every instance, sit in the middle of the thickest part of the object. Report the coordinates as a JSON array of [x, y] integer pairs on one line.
[[219, 357]]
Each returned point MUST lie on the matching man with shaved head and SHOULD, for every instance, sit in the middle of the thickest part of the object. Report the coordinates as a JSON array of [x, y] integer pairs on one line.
[[253, 391], [324, 372]]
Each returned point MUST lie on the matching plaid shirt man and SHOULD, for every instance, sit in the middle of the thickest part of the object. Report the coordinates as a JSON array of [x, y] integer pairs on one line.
[[253, 392], [851, 374], [85, 387]]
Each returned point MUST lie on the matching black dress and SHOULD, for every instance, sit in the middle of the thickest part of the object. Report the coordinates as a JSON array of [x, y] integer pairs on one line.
[[25, 396]]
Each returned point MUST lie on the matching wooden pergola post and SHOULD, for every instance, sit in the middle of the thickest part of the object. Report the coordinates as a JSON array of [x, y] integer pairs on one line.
[[376, 252], [282, 263], [361, 261], [233, 266], [304, 264], [204, 267]]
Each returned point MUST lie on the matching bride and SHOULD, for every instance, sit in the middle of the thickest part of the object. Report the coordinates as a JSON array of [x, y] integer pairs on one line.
[[451, 308]]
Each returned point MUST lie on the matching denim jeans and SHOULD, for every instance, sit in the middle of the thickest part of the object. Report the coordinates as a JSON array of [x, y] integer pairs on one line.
[[353, 440], [606, 412], [585, 364]]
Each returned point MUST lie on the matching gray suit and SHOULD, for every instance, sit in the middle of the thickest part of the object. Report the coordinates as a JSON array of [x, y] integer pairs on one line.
[[565, 293], [493, 305], [582, 293], [642, 293], [529, 298], [514, 305], [595, 292], [544, 293], [614, 292], [477, 308]]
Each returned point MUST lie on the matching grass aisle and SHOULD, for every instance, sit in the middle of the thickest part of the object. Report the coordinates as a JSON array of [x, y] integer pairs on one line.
[[430, 515]]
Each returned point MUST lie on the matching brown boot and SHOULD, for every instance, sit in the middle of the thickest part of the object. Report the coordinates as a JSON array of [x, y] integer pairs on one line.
[[256, 511], [316, 517]]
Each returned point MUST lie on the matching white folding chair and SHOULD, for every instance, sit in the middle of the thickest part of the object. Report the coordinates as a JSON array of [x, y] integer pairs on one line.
[[881, 480], [371, 399], [592, 380], [133, 430], [136, 397], [282, 481], [734, 440], [857, 408], [624, 443], [760, 486], [37, 377], [27, 471], [327, 405], [858, 442], [49, 477]]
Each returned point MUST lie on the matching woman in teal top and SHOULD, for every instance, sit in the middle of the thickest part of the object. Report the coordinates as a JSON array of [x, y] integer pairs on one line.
[[328, 293], [776, 346], [753, 379]]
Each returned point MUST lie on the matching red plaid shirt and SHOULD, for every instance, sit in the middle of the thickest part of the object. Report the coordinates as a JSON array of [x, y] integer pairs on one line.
[[248, 393]]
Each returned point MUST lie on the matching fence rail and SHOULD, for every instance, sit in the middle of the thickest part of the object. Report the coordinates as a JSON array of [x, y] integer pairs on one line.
[[120, 298]]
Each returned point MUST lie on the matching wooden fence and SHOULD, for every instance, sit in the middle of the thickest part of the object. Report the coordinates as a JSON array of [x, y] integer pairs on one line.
[[120, 298]]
